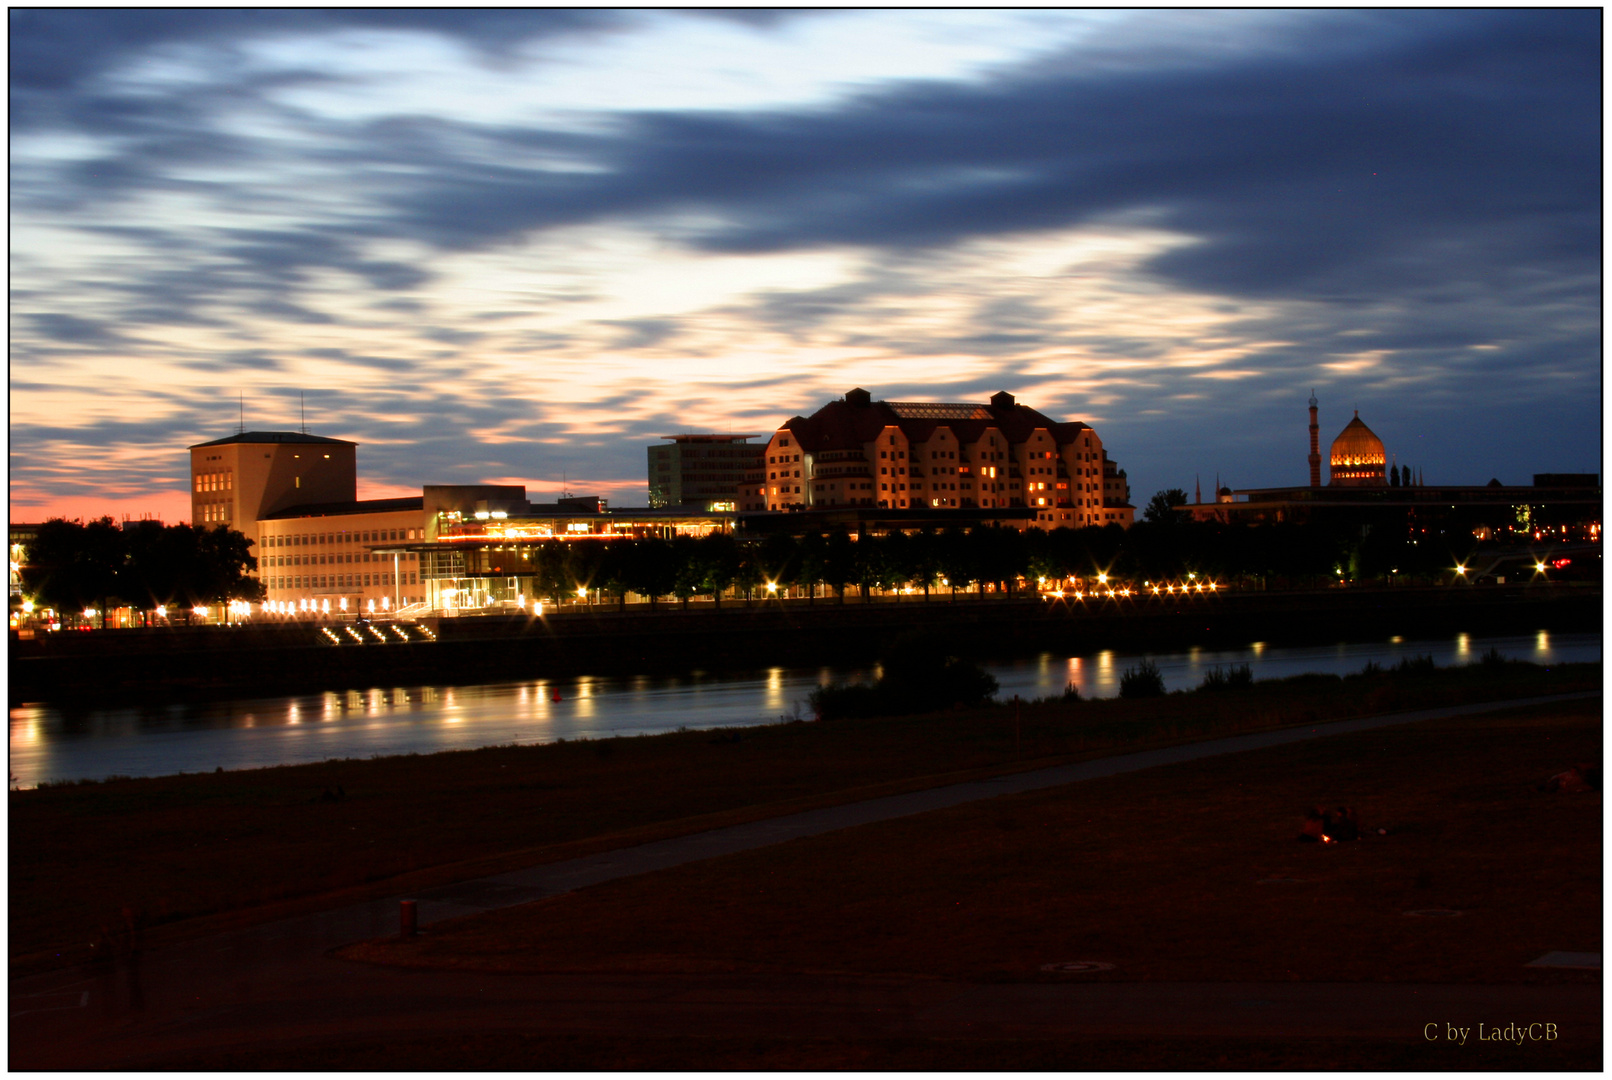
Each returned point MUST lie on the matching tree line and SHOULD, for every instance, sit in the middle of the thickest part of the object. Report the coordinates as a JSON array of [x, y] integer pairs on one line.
[[72, 566], [995, 558]]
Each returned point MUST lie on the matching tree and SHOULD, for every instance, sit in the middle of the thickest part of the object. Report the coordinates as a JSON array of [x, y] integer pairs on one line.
[[74, 566], [653, 572], [718, 560], [224, 560], [839, 562], [1161, 507], [813, 564]]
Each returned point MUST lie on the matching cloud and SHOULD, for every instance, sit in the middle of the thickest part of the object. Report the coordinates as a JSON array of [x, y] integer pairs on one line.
[[73, 330], [1403, 186]]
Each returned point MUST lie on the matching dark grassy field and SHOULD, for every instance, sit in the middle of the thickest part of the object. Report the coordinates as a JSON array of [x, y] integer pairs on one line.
[[511, 1051], [1187, 873], [186, 854]]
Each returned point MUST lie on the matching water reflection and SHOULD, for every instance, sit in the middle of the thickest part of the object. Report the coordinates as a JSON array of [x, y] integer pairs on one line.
[[63, 743]]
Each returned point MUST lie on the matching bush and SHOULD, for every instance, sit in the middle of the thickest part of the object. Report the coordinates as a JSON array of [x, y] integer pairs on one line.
[[1415, 665], [1236, 678], [919, 675], [1371, 669], [1142, 681], [1493, 661], [1071, 692], [843, 701]]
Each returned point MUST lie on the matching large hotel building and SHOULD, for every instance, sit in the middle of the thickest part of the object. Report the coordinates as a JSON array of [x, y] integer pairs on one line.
[[908, 455]]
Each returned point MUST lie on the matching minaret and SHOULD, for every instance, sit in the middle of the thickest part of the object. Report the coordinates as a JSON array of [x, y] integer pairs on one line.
[[1315, 445]]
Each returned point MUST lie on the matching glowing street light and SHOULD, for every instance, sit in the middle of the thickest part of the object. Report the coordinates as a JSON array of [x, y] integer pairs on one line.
[[772, 586]]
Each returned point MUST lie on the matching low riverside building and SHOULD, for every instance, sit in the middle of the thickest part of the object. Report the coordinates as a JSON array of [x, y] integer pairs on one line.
[[342, 554], [319, 547], [857, 453], [491, 557]]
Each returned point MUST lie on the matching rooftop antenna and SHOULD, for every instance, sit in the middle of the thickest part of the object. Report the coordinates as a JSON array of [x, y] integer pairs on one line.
[[241, 403], [304, 400]]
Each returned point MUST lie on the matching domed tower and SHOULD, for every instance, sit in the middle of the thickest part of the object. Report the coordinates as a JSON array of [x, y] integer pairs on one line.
[[1358, 458]]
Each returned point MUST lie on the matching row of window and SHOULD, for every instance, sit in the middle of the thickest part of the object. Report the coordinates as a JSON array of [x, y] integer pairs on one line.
[[367, 536], [342, 581], [215, 481], [338, 557]]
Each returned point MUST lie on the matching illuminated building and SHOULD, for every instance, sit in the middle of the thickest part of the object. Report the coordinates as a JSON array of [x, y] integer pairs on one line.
[[702, 471], [490, 558], [1359, 495], [936, 456], [1358, 458], [319, 547], [295, 496], [237, 480]]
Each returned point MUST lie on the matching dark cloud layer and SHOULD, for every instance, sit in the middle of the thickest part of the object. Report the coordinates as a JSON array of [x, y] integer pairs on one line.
[[1468, 140]]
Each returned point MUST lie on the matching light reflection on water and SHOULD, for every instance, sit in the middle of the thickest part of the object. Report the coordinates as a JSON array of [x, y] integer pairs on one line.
[[47, 742]]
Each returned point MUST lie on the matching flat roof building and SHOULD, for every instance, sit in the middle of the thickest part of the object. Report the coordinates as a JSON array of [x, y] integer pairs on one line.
[[702, 471]]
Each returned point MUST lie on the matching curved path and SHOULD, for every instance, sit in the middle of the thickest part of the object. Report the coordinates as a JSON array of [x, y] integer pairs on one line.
[[275, 983]]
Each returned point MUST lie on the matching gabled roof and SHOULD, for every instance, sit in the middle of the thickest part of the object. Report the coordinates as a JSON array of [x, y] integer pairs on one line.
[[272, 437], [856, 420]]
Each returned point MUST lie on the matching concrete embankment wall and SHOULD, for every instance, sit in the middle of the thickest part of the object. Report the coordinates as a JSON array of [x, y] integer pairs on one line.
[[101, 667]]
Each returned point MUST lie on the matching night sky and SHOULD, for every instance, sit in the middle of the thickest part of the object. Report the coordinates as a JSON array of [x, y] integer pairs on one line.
[[516, 247]]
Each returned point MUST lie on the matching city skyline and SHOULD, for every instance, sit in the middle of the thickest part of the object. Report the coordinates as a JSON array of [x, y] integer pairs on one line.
[[516, 247]]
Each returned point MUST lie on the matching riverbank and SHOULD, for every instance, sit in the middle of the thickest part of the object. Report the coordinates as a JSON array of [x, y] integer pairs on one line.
[[286, 658], [183, 854]]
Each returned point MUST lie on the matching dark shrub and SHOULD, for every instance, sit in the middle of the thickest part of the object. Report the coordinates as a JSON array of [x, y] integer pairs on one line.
[[920, 674], [1235, 678], [1415, 665], [842, 701], [1142, 681]]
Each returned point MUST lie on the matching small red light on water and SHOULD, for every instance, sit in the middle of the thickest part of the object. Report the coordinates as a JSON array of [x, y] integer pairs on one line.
[[1559, 563]]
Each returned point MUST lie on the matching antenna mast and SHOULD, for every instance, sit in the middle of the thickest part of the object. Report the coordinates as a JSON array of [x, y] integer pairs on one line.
[[304, 400]]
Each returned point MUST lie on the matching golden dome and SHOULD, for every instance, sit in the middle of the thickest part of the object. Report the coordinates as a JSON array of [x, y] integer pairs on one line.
[[1358, 458]]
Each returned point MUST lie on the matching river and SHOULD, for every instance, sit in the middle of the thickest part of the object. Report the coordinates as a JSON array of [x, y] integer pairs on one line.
[[53, 743]]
